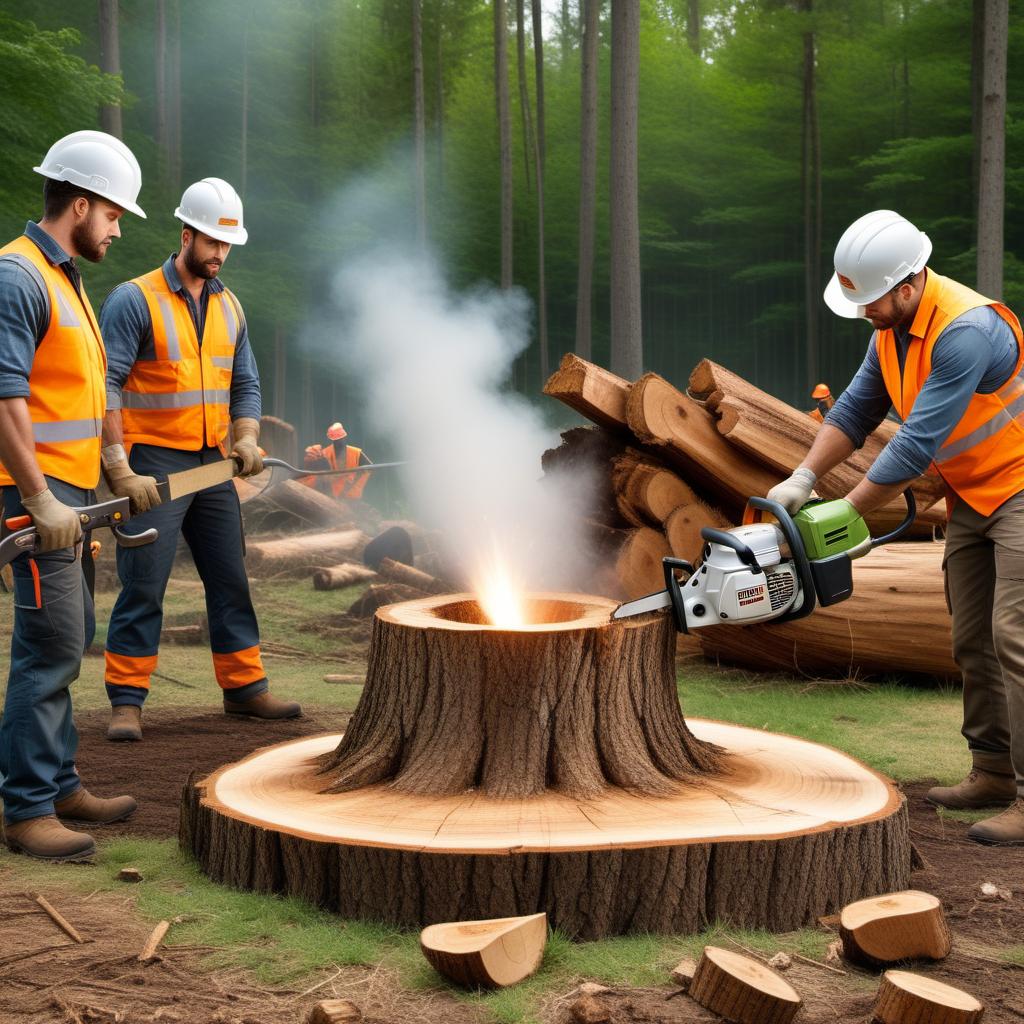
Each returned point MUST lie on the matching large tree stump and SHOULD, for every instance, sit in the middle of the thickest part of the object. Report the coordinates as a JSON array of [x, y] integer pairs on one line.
[[493, 772]]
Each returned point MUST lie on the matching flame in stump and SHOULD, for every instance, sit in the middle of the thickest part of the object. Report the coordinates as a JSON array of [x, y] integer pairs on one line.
[[571, 702]]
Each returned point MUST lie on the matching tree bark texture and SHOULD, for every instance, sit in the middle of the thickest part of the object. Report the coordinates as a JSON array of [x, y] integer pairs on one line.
[[110, 63], [992, 162], [624, 200], [529, 158], [693, 25], [904, 997], [588, 173], [742, 989], [811, 188]]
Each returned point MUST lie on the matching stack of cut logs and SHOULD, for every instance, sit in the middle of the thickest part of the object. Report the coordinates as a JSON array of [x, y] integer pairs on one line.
[[662, 464]]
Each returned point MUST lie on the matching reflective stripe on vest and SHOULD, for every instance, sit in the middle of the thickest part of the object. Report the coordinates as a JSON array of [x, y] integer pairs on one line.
[[67, 391], [180, 397], [982, 460]]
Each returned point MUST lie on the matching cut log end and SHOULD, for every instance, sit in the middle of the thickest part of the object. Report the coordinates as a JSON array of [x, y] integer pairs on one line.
[[334, 1011], [898, 926], [486, 954], [903, 996], [742, 989]]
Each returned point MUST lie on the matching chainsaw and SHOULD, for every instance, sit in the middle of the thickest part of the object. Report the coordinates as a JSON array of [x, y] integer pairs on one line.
[[768, 571]]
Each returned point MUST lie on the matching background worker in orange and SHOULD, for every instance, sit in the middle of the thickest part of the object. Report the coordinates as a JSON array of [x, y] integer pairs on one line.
[[951, 364], [337, 455], [51, 408], [180, 369]]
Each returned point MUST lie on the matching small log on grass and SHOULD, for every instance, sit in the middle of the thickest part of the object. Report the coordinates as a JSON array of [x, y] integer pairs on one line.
[[486, 954], [905, 998], [377, 595], [337, 577], [304, 552], [407, 575], [899, 926], [742, 989]]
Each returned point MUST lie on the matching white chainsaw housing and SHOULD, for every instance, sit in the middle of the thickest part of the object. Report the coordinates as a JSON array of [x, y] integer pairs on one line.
[[724, 589]]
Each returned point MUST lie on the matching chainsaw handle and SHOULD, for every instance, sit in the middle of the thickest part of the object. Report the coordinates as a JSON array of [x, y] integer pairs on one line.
[[674, 587], [796, 550], [729, 540], [908, 497]]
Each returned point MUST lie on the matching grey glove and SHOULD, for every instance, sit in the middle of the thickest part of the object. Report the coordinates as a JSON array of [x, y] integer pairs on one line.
[[139, 490], [56, 523], [792, 493]]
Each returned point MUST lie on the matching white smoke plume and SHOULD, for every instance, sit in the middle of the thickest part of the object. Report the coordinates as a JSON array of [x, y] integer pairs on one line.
[[435, 366]]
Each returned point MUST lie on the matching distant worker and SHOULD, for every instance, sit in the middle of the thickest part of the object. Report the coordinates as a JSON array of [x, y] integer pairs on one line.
[[951, 363], [51, 409], [180, 369], [337, 455]]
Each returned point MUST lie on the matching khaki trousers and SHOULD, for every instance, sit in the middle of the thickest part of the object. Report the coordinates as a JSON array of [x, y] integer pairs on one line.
[[984, 576]]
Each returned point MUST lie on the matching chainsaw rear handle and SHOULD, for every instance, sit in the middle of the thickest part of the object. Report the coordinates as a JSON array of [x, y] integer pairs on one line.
[[908, 497], [729, 540]]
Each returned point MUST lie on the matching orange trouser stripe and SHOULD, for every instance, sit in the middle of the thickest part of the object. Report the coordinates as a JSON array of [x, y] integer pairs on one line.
[[238, 668], [127, 670]]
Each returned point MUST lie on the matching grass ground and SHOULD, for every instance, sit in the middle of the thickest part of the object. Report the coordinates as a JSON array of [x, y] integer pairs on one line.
[[907, 733]]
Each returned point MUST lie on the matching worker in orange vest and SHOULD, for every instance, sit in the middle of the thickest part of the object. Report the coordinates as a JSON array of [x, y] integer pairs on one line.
[[950, 362], [337, 455], [181, 370], [52, 402]]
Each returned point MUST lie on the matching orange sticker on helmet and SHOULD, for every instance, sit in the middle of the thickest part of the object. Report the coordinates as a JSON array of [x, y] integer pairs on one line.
[[845, 281], [228, 222]]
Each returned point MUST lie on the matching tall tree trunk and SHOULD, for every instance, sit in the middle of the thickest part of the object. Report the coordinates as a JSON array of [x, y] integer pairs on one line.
[[540, 151], [565, 31], [110, 63], [280, 374], [504, 137], [174, 107], [626, 339], [693, 25], [420, 125], [529, 147], [992, 163], [588, 173], [906, 68], [811, 188], [163, 142], [977, 64]]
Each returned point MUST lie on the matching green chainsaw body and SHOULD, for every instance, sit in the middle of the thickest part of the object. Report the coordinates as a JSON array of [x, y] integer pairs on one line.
[[830, 528]]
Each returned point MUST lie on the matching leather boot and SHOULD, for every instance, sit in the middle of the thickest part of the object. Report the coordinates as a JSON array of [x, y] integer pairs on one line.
[[980, 789], [125, 722], [265, 705], [1006, 829], [85, 809], [47, 839]]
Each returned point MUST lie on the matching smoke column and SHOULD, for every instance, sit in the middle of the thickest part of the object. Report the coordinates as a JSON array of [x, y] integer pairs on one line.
[[434, 366]]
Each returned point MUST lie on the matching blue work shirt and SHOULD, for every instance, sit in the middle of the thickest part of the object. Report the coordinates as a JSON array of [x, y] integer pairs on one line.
[[25, 311], [975, 354], [127, 329]]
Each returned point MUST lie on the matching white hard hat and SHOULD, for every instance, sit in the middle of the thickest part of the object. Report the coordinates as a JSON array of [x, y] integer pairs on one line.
[[875, 254], [213, 207], [98, 163]]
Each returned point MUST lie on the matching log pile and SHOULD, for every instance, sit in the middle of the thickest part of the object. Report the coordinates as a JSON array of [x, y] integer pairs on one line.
[[661, 464]]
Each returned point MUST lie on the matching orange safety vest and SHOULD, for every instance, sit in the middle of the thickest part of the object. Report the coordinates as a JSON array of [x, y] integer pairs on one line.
[[982, 460], [180, 398], [67, 381], [349, 486]]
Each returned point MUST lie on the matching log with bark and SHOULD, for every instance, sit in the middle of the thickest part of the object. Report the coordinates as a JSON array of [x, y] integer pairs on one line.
[[486, 954], [638, 565], [410, 576], [683, 526], [647, 491], [906, 998], [741, 989], [492, 772], [337, 577], [595, 393], [302, 553], [885, 930], [377, 595], [896, 621]]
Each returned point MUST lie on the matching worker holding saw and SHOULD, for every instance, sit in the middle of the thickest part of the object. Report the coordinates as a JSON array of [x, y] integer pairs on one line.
[[950, 362], [51, 409], [180, 371]]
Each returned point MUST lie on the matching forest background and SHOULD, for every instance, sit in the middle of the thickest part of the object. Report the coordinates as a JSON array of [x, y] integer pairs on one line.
[[764, 128]]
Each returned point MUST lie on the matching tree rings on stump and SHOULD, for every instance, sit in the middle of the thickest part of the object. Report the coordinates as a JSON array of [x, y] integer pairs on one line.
[[904, 997], [486, 954], [898, 926], [492, 772], [741, 989]]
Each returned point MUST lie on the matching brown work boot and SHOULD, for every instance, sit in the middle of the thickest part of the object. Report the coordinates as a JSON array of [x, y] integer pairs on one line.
[[47, 839], [125, 722], [266, 705], [85, 809], [980, 789], [1006, 829]]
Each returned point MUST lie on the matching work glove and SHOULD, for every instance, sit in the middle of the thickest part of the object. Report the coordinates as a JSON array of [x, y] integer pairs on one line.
[[140, 491], [247, 431], [57, 524], [792, 493]]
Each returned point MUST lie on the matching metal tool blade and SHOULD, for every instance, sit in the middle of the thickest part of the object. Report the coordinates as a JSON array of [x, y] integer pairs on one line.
[[650, 603], [188, 481]]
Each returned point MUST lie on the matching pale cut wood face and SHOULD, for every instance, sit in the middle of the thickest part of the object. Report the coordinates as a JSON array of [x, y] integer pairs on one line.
[[898, 904], [932, 990]]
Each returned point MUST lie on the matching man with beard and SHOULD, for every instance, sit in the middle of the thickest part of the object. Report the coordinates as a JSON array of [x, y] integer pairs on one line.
[[180, 369], [951, 364], [51, 409]]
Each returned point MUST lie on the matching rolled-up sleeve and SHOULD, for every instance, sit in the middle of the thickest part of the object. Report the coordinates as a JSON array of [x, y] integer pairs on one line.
[[124, 323], [865, 403], [24, 316], [246, 400]]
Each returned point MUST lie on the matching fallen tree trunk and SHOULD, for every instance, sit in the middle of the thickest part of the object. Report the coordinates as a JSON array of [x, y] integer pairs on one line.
[[304, 552], [337, 577], [896, 621], [399, 572], [307, 504], [780, 436]]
